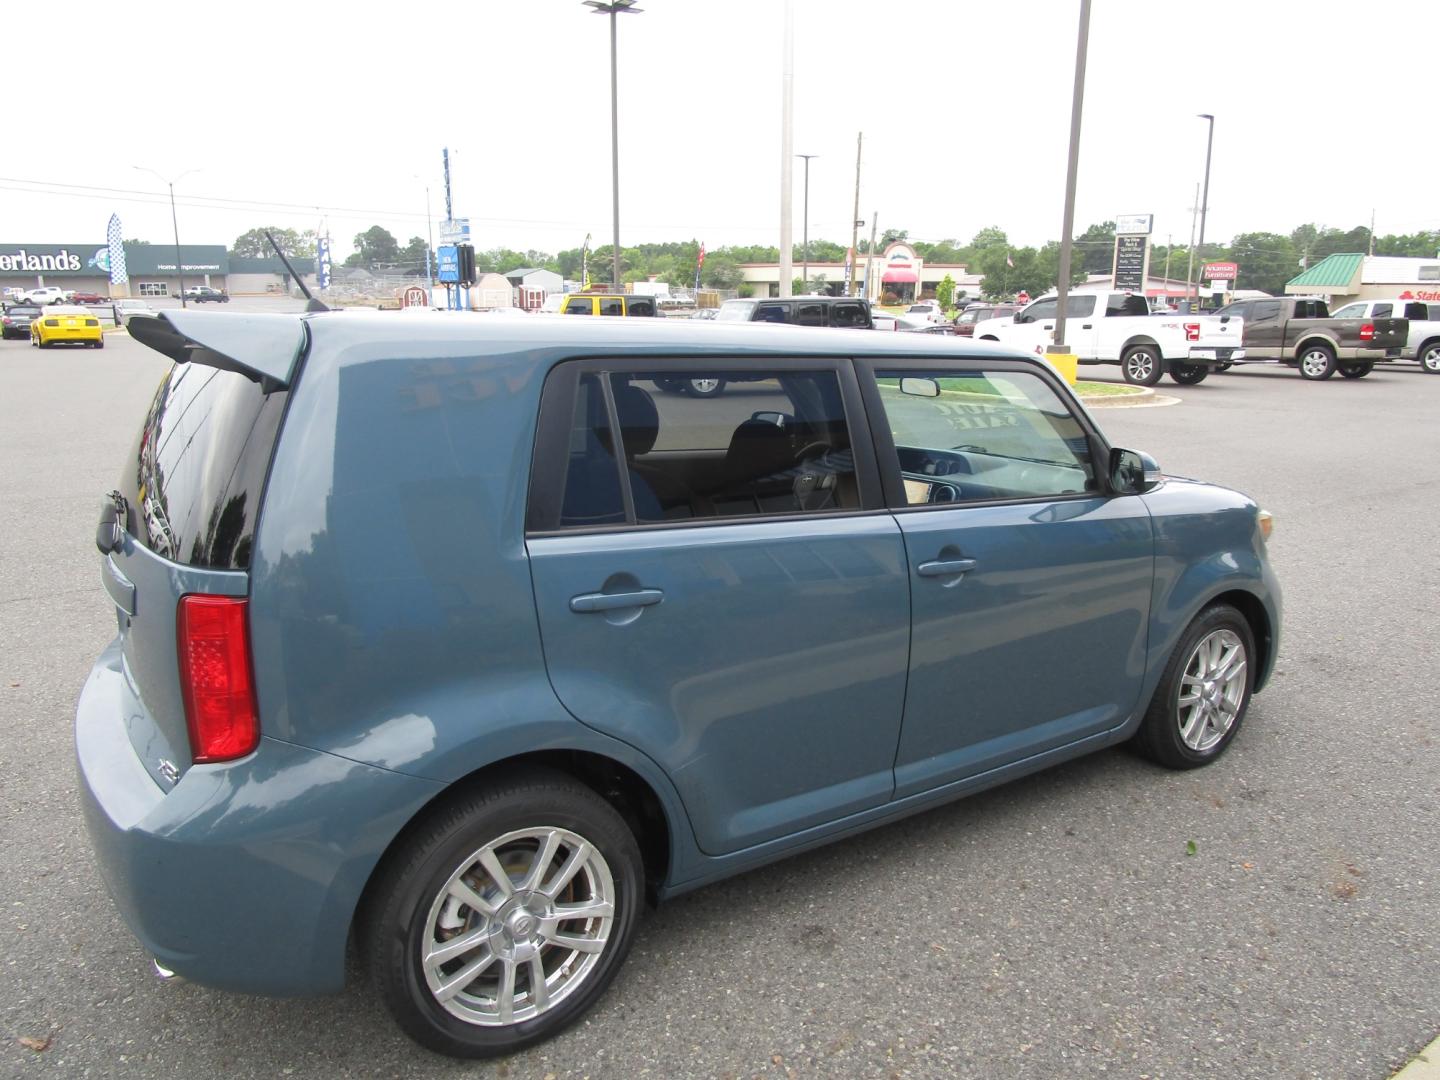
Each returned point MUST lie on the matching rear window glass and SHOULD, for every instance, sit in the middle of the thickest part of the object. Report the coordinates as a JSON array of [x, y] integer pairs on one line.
[[194, 477]]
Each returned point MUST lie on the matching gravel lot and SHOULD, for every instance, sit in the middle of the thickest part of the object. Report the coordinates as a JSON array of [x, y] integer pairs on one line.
[[1055, 927]]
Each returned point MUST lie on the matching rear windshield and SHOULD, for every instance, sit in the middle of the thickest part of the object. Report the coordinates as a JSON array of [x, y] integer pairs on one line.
[[194, 477]]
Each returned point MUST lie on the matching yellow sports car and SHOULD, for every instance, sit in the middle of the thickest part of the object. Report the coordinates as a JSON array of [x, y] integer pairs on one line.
[[61, 323]]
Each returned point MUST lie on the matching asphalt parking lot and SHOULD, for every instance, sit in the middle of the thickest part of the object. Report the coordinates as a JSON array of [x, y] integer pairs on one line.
[[1060, 926]]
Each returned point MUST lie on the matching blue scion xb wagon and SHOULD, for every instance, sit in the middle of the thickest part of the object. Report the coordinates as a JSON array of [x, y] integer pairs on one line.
[[455, 639]]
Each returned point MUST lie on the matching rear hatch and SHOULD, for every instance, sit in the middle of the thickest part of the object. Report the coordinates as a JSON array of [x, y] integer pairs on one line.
[[1216, 331], [1388, 333], [186, 508]]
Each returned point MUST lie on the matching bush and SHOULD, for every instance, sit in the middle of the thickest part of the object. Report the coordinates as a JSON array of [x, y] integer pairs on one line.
[[745, 291], [889, 299]]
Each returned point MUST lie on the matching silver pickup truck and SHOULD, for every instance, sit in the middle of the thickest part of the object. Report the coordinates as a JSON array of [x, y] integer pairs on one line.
[[1422, 342], [1300, 331]]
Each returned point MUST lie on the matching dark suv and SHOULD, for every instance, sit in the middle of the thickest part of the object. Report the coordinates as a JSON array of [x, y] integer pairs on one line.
[[453, 643], [845, 312], [17, 318]]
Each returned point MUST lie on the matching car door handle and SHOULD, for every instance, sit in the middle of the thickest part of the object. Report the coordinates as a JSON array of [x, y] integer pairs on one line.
[[1086, 326], [599, 601], [944, 567]]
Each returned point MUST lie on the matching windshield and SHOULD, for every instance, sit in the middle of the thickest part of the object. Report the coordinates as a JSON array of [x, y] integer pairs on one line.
[[736, 311]]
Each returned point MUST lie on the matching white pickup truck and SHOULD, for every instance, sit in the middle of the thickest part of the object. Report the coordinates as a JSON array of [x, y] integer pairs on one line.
[[1423, 339], [1117, 328]]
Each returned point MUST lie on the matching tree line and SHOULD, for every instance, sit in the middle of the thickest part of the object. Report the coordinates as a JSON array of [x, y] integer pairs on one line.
[[1267, 260]]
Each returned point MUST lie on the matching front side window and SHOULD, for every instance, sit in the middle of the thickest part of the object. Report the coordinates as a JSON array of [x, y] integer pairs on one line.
[[643, 306], [810, 314], [771, 313], [1265, 309], [980, 436], [773, 443], [578, 305], [1351, 311]]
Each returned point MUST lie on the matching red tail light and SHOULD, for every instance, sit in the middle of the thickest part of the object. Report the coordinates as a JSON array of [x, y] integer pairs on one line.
[[1192, 331], [214, 642], [1367, 332]]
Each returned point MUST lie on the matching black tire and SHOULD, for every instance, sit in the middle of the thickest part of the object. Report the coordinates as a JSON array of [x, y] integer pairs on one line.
[[704, 388], [1357, 370], [100, 344], [1226, 366], [1189, 374], [1142, 365], [1316, 362], [670, 384], [1161, 736], [1429, 357], [411, 890]]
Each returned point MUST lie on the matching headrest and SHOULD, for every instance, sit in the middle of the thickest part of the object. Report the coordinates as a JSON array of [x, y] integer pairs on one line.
[[639, 419]]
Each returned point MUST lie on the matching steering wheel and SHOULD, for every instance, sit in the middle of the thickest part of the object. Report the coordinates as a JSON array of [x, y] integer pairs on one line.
[[814, 487]]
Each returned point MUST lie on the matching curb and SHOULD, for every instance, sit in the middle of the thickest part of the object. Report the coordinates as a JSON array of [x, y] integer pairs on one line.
[[1426, 1065], [1146, 396]]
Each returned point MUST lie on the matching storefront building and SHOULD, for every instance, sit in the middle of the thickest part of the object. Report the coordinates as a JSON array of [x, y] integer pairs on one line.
[[1342, 278], [897, 271], [152, 269]]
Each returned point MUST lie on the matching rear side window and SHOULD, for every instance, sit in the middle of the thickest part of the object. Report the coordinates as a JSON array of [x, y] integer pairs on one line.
[[1265, 309], [771, 313], [1382, 311], [194, 477], [612, 306], [644, 306], [774, 443], [810, 314]]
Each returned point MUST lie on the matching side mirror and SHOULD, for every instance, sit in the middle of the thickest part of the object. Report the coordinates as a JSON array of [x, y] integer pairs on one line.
[[1133, 472]]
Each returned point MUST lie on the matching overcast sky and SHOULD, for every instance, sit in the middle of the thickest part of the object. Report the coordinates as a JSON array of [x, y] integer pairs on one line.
[[297, 113]]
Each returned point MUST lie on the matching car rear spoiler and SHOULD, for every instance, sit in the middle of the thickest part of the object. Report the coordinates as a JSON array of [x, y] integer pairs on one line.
[[263, 348]]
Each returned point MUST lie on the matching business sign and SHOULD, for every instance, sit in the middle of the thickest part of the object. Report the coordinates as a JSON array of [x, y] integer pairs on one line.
[[1221, 271], [322, 262], [1132, 256], [1134, 224], [447, 262], [455, 231]]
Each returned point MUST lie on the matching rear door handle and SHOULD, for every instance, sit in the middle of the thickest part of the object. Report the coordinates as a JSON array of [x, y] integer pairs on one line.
[[944, 567], [1086, 326], [599, 601]]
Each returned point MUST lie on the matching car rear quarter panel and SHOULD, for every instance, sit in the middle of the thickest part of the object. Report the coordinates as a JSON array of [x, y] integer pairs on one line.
[[392, 612]]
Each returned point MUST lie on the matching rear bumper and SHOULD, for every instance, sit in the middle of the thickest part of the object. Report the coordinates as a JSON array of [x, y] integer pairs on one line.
[[1213, 354], [245, 875], [84, 333]]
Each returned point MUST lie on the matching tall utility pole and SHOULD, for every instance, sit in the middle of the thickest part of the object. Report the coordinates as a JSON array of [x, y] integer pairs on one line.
[[870, 253], [787, 152], [174, 221], [1205, 198], [613, 8], [855, 228], [805, 228], [1167, 264], [1372, 231], [1190, 265], [1067, 232]]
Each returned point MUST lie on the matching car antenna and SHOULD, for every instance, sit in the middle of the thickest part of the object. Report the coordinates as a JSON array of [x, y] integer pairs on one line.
[[311, 303]]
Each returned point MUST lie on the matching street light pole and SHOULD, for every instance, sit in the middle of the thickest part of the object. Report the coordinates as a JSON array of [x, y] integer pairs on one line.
[[613, 8], [1077, 106], [1205, 198], [174, 221], [805, 226]]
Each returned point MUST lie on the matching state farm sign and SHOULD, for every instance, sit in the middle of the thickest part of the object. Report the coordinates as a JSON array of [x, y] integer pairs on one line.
[[1226, 271]]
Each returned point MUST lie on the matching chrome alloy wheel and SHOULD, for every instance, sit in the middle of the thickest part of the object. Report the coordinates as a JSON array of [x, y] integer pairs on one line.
[[1212, 689], [518, 927], [1315, 363]]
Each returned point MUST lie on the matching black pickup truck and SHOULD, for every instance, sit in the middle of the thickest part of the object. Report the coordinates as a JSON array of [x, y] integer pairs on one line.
[[1299, 331]]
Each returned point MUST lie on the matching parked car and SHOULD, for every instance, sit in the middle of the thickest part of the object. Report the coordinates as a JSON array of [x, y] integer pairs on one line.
[[943, 328], [1422, 341], [978, 313], [843, 312], [706, 314], [463, 661], [883, 320], [1300, 331], [47, 294], [66, 324], [204, 294], [83, 297], [924, 311], [609, 304], [12, 293], [15, 323]]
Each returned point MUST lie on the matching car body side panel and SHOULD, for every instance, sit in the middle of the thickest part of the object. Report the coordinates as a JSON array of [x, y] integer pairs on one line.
[[1206, 544]]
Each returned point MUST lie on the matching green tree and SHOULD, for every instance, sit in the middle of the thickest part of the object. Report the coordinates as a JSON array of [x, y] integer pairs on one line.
[[1266, 260], [942, 251], [945, 292], [375, 247], [721, 271], [252, 244], [893, 236], [413, 254], [1095, 248], [989, 237], [1010, 270]]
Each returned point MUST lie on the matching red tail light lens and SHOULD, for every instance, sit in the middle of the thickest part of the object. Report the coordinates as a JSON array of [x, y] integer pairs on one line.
[[1367, 332], [214, 642], [1192, 331]]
